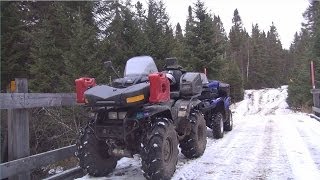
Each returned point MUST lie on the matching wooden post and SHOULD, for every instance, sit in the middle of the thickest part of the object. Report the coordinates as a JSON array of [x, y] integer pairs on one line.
[[18, 130]]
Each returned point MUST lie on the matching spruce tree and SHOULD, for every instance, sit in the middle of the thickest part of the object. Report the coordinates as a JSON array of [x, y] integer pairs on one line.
[[56, 59], [304, 49], [275, 60], [15, 43], [239, 45], [179, 46], [232, 75], [202, 49], [81, 59], [158, 31], [123, 37]]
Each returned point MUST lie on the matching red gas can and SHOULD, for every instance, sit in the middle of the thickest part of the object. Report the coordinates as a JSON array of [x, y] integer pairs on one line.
[[159, 88], [82, 84]]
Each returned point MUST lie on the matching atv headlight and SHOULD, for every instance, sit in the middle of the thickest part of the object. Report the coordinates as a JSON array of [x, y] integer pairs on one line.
[[122, 115], [135, 98], [113, 115]]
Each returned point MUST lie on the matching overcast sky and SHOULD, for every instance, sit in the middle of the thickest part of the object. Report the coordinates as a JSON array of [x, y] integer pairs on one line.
[[286, 14]]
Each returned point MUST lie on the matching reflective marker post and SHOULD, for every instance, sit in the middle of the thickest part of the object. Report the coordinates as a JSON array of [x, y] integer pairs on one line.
[[312, 75]]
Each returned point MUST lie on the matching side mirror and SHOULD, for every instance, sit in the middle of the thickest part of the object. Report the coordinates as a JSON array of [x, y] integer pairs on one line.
[[108, 64]]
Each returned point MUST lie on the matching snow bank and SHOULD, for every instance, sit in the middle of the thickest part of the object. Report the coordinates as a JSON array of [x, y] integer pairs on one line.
[[263, 102]]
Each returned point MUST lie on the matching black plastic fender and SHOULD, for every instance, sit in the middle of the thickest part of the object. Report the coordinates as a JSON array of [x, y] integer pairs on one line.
[[181, 112], [183, 107], [157, 109]]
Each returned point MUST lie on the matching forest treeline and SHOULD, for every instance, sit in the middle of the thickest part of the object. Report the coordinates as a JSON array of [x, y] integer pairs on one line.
[[53, 43]]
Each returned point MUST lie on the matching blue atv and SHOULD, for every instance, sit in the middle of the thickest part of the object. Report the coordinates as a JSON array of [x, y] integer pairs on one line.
[[216, 103]]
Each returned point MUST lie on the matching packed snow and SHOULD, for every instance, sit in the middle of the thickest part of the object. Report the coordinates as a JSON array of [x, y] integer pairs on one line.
[[268, 141]]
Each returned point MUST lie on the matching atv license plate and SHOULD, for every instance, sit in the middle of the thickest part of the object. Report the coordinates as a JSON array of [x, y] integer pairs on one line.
[[182, 113]]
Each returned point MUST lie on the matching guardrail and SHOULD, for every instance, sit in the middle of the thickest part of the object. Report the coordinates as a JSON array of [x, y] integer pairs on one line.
[[20, 162]]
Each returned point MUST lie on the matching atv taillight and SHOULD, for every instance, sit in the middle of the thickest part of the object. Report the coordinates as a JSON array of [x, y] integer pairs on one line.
[[82, 84], [159, 88]]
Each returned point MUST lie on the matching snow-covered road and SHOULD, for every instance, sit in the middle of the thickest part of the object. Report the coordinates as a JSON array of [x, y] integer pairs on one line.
[[268, 142]]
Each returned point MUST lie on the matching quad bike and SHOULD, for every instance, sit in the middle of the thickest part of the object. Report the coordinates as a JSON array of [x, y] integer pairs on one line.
[[138, 114], [216, 106]]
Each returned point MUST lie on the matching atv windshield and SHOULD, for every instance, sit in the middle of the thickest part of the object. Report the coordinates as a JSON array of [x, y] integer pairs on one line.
[[141, 65]]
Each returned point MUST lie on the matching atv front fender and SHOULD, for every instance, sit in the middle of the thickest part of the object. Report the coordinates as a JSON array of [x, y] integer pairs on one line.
[[227, 102], [157, 110], [183, 107]]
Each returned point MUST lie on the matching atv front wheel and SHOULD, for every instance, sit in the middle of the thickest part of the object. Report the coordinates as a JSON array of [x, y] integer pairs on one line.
[[194, 144], [93, 155], [228, 125], [160, 150], [217, 125]]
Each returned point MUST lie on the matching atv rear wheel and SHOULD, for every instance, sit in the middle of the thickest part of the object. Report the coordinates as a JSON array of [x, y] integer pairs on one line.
[[93, 155], [228, 125], [160, 150], [193, 145], [217, 125]]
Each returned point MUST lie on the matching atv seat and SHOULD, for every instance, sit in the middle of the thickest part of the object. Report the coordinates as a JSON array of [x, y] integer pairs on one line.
[[208, 94]]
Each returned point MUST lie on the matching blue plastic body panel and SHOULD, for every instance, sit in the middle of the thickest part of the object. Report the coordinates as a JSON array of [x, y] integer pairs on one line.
[[213, 86]]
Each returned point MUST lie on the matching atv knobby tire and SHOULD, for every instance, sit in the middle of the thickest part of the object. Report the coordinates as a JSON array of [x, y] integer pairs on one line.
[[93, 155], [194, 144], [228, 125], [159, 151], [217, 125]]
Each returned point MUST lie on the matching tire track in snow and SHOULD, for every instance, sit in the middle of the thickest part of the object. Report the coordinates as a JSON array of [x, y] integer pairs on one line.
[[224, 159], [189, 169], [272, 159], [303, 166], [310, 136], [240, 163]]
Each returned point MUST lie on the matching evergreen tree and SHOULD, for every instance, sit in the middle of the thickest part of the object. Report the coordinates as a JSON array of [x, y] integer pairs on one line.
[[123, 37], [232, 75], [179, 35], [257, 53], [275, 61], [189, 40], [15, 43], [158, 31], [49, 41], [239, 40], [81, 59], [179, 46], [299, 83], [299, 95], [202, 49], [304, 49], [56, 39]]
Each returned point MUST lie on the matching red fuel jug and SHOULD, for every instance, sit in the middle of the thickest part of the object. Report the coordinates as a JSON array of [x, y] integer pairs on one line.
[[159, 88], [82, 84]]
